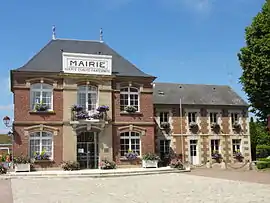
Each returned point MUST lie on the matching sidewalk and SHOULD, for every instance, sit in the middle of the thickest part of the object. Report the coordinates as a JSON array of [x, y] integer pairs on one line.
[[93, 173]]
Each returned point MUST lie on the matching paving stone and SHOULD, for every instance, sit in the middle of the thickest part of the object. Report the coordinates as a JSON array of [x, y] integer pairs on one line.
[[173, 188]]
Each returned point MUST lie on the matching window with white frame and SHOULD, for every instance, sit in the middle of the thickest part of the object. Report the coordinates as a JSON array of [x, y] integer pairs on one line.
[[88, 97], [215, 147], [163, 117], [41, 93], [213, 117], [129, 96], [236, 145], [191, 117], [41, 141], [164, 147], [234, 117], [130, 141]]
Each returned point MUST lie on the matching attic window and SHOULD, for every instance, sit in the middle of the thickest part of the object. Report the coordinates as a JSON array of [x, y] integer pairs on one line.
[[180, 86], [214, 88], [160, 92], [99, 52]]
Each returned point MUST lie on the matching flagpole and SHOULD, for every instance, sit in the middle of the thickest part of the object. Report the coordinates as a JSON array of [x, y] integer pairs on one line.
[[181, 128]]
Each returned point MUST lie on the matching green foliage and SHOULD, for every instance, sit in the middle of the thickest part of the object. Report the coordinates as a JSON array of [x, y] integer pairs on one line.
[[258, 134], [263, 151], [255, 61], [70, 166], [263, 163], [150, 156]]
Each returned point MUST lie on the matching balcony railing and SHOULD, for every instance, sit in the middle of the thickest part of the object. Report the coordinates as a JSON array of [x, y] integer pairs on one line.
[[78, 113]]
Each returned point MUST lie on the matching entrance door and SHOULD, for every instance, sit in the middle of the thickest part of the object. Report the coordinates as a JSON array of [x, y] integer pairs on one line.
[[87, 150], [194, 158]]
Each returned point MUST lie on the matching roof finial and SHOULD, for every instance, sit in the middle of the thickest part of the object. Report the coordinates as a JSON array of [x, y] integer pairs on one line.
[[101, 35], [53, 32]]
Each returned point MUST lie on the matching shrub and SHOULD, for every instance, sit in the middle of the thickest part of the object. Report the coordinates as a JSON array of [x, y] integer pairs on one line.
[[105, 164], [70, 166], [176, 163], [21, 160], [262, 151], [150, 156], [263, 163], [3, 169]]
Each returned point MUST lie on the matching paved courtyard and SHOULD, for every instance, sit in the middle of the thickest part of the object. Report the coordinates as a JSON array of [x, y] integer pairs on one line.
[[169, 188]]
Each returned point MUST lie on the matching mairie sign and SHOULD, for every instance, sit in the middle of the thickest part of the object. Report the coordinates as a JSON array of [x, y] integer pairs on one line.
[[87, 64]]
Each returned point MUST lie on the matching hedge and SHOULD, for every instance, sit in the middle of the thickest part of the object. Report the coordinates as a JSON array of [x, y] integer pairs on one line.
[[263, 163], [262, 151]]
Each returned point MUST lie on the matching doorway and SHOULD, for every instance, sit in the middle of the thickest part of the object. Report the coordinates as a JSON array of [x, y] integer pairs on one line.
[[87, 150], [194, 157]]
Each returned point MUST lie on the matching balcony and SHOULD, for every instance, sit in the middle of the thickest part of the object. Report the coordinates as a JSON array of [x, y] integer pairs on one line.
[[98, 118]]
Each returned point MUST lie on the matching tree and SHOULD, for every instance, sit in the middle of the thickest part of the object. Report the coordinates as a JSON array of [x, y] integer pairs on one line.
[[258, 136], [255, 61]]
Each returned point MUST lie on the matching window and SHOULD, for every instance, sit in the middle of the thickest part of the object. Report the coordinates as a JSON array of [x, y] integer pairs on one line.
[[129, 96], [236, 145], [164, 117], [214, 146], [234, 117], [130, 141], [41, 141], [41, 93], [213, 118], [164, 147], [191, 117], [88, 98]]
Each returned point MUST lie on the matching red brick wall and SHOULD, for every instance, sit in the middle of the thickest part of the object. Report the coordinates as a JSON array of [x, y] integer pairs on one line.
[[147, 141], [21, 143], [146, 109], [22, 107]]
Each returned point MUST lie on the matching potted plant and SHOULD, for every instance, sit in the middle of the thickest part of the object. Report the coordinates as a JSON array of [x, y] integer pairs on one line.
[[216, 156], [150, 160], [22, 163], [40, 107], [103, 108], [238, 156], [193, 126], [130, 109], [236, 125], [106, 164], [70, 166], [43, 156], [76, 108], [130, 155], [82, 115]]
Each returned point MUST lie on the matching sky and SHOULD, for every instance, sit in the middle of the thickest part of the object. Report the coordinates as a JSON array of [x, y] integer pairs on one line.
[[182, 41]]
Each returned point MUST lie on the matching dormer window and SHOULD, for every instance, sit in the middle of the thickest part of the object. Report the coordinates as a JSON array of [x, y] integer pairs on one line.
[[234, 118]]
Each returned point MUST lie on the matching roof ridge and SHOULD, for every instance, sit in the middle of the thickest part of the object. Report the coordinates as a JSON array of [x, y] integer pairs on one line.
[[82, 40], [190, 84]]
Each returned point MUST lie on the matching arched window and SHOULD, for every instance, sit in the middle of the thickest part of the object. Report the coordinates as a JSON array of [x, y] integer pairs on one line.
[[41, 93], [130, 141], [41, 141], [88, 97], [129, 96]]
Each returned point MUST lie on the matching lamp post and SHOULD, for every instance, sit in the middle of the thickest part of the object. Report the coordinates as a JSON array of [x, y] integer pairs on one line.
[[6, 121]]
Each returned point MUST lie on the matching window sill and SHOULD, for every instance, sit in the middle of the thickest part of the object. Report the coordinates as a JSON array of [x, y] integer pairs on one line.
[[41, 112], [125, 159], [127, 113], [43, 161]]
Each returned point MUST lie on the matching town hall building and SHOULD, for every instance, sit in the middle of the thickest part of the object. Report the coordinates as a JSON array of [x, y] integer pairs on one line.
[[82, 101]]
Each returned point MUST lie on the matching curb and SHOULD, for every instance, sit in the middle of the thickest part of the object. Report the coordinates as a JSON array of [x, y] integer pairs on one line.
[[90, 175]]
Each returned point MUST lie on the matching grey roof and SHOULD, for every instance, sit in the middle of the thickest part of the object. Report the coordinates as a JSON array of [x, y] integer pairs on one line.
[[49, 58], [170, 93]]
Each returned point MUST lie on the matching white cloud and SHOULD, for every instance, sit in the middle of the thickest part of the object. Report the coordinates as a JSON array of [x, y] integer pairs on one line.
[[6, 107]]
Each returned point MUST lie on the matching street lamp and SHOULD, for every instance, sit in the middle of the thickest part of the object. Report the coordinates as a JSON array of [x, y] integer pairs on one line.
[[6, 121]]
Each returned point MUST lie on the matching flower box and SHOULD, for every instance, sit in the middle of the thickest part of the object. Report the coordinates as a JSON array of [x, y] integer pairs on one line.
[[150, 163], [22, 167]]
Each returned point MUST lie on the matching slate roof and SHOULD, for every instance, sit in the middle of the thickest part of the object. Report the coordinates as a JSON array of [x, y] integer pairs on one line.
[[49, 58], [170, 93]]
